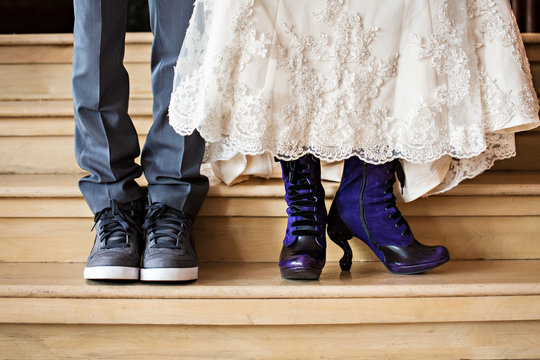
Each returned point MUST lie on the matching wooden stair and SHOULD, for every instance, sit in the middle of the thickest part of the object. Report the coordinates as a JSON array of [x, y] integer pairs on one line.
[[495, 216], [485, 304], [474, 309]]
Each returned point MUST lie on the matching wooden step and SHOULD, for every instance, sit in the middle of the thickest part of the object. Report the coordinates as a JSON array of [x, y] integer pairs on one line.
[[58, 48], [46, 62], [528, 154], [473, 310], [55, 154], [53, 81], [37, 138], [40, 68], [240, 308], [495, 216], [421, 341], [55, 117], [503, 290]]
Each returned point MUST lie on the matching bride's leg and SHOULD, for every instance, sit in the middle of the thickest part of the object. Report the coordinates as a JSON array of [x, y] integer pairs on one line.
[[304, 247]]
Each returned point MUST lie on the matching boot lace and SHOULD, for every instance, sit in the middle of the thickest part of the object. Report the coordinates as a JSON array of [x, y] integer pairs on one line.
[[397, 168], [165, 227], [115, 226], [301, 195]]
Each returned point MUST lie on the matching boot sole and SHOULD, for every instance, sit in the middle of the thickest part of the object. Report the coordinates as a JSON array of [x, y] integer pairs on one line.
[[111, 273], [301, 274], [417, 268], [170, 274]]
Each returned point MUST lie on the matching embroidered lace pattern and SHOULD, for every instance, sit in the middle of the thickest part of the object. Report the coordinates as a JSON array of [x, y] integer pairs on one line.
[[498, 106], [335, 110]]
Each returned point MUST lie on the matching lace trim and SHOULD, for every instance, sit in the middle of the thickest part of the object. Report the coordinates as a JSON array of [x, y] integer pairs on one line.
[[500, 146]]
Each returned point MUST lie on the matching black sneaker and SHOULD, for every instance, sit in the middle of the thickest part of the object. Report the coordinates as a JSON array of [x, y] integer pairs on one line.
[[169, 253], [116, 254]]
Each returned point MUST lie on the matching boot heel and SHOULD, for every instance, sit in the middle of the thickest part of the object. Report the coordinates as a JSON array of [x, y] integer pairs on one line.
[[339, 233], [342, 240]]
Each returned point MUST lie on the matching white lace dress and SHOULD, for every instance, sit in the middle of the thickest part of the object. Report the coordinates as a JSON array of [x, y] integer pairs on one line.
[[442, 85]]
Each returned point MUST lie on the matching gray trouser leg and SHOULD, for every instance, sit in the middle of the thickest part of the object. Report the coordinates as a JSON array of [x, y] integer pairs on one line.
[[106, 142], [171, 162]]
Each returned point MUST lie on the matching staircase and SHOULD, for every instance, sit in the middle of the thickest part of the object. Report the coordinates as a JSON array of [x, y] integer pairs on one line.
[[484, 304]]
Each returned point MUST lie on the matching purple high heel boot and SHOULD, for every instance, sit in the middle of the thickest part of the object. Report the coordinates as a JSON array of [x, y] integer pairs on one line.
[[365, 207], [304, 248]]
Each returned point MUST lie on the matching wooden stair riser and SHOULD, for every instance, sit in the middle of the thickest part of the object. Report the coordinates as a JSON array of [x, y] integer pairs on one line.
[[494, 216], [467, 310], [226, 281], [56, 126], [62, 54], [446, 314], [40, 68], [258, 239], [39, 155], [47, 66], [55, 154], [270, 311], [53, 81], [528, 154], [462, 340], [244, 311], [275, 207]]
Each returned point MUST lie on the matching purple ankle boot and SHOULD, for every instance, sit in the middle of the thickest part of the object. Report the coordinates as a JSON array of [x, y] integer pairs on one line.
[[304, 248], [365, 207]]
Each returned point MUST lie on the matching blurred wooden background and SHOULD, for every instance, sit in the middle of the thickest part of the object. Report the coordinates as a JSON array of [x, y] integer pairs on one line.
[[56, 16], [528, 14]]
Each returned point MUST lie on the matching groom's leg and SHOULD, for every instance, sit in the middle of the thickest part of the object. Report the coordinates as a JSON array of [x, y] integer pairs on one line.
[[106, 142], [171, 162]]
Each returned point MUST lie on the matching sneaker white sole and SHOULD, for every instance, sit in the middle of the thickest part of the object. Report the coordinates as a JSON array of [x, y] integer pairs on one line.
[[170, 274], [111, 273]]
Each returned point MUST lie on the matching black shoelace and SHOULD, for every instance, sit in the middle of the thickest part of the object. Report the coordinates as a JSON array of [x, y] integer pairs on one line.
[[301, 195], [396, 214], [115, 226], [165, 227]]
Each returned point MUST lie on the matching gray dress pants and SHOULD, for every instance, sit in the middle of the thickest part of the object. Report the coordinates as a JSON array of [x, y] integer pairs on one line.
[[106, 143]]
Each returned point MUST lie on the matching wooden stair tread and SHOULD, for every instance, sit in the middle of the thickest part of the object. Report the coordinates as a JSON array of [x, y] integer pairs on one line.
[[54, 119], [261, 281], [494, 216], [253, 294], [59, 108], [65, 186], [51, 108], [131, 37], [529, 39], [63, 39]]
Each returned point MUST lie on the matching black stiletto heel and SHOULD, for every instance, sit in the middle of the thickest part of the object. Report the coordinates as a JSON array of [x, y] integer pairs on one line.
[[340, 234]]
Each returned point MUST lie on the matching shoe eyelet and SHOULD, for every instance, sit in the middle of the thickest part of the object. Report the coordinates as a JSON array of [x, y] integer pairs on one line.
[[396, 225], [402, 234]]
